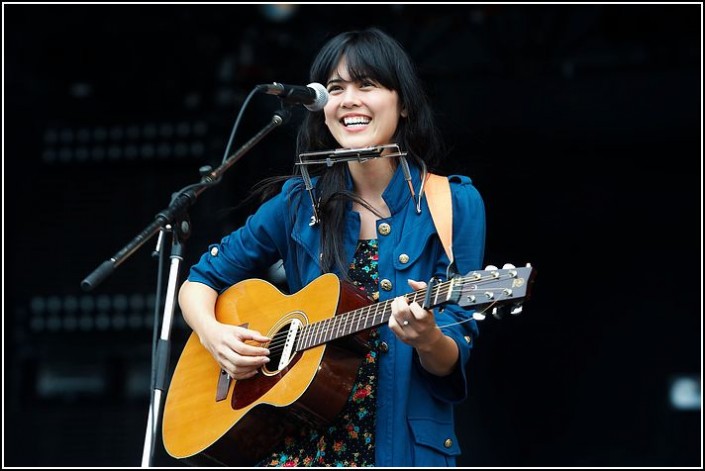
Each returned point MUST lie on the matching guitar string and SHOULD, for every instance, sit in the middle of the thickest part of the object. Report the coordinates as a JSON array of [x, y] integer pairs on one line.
[[348, 319], [356, 315], [327, 325]]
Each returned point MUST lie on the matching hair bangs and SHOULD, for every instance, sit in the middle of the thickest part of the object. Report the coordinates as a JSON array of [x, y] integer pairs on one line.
[[365, 58]]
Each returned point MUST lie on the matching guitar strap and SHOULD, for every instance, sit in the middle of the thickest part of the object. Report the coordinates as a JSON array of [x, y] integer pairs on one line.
[[437, 190]]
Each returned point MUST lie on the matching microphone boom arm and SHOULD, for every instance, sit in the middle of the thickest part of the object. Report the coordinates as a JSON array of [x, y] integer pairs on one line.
[[180, 201]]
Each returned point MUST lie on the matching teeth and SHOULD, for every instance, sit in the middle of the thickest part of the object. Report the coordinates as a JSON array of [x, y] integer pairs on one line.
[[356, 120]]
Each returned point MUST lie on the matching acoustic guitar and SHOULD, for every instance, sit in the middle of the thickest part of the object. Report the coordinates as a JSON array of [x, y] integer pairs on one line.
[[318, 339]]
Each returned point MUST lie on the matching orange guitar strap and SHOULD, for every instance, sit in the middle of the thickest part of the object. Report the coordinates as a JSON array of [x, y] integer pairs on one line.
[[437, 190]]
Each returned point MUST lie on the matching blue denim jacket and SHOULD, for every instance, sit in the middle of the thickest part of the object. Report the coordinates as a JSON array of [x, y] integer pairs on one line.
[[414, 423]]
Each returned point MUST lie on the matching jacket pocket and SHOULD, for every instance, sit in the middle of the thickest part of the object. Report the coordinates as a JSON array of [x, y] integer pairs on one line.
[[435, 442]]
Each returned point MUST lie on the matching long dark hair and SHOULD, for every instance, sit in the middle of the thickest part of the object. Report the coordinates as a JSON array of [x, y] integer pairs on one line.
[[370, 54]]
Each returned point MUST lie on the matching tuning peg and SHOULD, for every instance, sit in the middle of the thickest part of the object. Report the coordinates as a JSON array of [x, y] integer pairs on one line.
[[516, 309], [508, 266], [490, 267], [498, 313], [478, 316]]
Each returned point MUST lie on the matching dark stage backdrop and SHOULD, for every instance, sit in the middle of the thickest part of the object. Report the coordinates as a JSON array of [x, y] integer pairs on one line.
[[579, 124]]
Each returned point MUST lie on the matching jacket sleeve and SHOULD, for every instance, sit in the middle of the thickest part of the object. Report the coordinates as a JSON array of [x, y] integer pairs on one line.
[[244, 253], [454, 321]]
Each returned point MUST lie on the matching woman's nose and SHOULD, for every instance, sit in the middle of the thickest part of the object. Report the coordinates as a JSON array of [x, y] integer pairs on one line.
[[350, 98]]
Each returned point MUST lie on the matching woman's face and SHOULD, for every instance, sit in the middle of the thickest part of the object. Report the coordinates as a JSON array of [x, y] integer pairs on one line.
[[360, 114]]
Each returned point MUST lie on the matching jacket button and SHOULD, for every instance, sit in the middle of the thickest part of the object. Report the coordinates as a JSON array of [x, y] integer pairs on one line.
[[404, 258], [386, 284], [384, 228], [448, 443], [384, 348], [214, 251]]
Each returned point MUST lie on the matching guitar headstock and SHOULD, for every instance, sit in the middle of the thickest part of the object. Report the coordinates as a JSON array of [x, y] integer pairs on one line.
[[494, 289]]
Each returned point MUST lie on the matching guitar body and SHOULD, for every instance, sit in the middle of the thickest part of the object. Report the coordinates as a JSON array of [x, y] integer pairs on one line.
[[258, 413]]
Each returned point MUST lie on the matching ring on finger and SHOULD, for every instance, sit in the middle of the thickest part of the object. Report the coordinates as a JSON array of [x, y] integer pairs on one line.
[[405, 323]]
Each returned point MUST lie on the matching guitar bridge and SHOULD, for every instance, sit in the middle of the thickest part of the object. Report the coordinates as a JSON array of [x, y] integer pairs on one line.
[[223, 386], [289, 344]]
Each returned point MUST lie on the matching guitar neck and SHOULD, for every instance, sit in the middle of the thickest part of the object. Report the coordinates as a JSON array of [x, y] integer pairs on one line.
[[375, 314], [492, 288]]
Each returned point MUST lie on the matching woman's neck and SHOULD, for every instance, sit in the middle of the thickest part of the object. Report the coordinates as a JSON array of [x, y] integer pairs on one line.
[[371, 178]]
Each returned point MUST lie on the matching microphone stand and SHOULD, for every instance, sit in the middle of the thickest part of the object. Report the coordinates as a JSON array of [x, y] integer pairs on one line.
[[173, 219]]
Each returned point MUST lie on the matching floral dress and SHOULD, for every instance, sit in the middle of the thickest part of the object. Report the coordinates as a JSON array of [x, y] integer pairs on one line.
[[349, 440]]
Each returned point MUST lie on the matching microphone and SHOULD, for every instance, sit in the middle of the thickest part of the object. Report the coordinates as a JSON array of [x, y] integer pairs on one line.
[[313, 96]]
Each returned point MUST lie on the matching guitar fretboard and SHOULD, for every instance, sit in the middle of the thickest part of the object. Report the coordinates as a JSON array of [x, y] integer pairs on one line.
[[363, 318]]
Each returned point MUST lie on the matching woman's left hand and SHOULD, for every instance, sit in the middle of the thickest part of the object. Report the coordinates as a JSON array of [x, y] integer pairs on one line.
[[413, 324]]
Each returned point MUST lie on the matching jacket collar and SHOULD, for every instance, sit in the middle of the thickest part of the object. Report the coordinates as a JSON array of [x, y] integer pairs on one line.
[[397, 194]]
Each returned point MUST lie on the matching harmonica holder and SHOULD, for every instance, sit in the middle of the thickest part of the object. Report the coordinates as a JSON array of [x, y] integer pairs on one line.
[[361, 154]]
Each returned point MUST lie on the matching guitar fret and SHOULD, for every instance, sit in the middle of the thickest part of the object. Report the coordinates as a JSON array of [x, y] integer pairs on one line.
[[306, 341], [345, 324], [350, 321], [341, 321], [328, 329], [343, 329], [364, 315], [340, 330], [334, 328], [301, 342], [384, 311], [311, 336], [319, 331]]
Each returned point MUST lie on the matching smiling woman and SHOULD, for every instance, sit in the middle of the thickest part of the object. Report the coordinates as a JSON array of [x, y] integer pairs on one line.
[[404, 382]]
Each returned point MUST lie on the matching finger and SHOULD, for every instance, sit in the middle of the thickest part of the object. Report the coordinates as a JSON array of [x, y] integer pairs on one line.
[[247, 342], [395, 320], [243, 373], [251, 350], [246, 334], [416, 285], [419, 313], [400, 311], [250, 361]]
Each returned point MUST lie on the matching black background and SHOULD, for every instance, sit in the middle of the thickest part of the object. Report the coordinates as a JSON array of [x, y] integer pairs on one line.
[[579, 124]]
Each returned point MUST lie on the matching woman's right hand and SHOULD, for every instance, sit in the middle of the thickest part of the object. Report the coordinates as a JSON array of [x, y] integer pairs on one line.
[[233, 349]]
